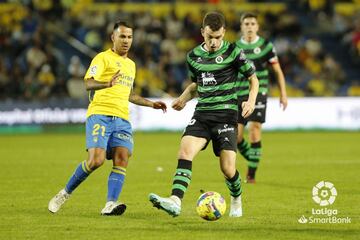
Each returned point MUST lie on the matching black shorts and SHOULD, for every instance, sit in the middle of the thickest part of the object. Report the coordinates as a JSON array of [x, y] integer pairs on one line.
[[258, 115], [222, 135]]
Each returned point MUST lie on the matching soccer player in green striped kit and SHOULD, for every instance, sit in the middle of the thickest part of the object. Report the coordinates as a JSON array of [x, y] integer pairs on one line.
[[263, 55], [213, 68]]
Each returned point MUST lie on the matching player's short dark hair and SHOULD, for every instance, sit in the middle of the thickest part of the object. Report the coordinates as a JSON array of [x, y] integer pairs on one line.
[[124, 23], [214, 20], [248, 15]]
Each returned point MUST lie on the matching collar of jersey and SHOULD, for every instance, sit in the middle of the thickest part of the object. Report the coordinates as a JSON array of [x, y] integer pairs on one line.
[[250, 43], [202, 51], [115, 54]]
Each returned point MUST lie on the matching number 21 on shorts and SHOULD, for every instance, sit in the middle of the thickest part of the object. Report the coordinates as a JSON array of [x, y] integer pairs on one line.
[[97, 128]]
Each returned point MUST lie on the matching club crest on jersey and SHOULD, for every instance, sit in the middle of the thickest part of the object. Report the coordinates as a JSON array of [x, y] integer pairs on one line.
[[208, 79], [219, 59], [93, 70], [118, 64], [257, 50], [198, 59]]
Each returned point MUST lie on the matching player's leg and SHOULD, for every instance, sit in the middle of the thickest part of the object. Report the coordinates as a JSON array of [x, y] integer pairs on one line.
[[256, 119], [255, 150], [232, 180], [242, 145], [121, 146], [227, 166], [96, 139], [96, 157], [116, 181], [224, 145], [194, 139], [96, 143], [189, 147]]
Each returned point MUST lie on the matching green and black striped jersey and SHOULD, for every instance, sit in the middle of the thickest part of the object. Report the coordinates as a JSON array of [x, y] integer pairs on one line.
[[261, 52], [216, 75]]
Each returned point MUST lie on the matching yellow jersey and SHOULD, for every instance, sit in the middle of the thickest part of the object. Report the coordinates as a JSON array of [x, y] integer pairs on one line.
[[112, 101]]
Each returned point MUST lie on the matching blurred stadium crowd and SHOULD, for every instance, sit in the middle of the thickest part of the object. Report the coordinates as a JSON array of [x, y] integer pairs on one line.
[[47, 45]]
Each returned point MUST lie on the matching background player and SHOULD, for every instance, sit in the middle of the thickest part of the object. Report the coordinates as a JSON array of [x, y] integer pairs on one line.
[[110, 80], [213, 68], [263, 54]]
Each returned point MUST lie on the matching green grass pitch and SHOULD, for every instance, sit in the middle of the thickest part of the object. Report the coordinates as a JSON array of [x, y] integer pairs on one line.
[[35, 167]]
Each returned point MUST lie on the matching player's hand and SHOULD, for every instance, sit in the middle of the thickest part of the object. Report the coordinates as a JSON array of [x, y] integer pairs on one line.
[[160, 105], [283, 102], [178, 104], [247, 109], [114, 79]]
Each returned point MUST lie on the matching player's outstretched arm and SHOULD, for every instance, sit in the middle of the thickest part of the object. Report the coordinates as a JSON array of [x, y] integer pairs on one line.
[[138, 100], [279, 75], [249, 106], [188, 94]]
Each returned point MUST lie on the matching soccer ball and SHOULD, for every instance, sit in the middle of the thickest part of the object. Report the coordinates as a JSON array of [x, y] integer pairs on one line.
[[211, 206]]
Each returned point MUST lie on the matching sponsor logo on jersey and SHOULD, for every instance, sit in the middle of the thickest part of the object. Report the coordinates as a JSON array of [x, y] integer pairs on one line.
[[208, 79]]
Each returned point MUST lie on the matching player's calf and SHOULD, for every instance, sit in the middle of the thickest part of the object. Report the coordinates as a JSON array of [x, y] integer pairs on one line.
[[244, 149], [253, 162]]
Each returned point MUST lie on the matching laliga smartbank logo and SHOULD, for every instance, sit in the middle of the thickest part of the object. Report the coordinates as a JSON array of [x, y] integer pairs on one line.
[[324, 194]]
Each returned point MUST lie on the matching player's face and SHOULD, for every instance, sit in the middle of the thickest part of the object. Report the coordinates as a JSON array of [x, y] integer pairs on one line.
[[122, 38], [249, 27], [213, 39]]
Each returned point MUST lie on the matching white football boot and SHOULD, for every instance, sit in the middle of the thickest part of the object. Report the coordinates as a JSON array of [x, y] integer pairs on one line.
[[235, 207], [113, 209], [57, 201], [171, 205]]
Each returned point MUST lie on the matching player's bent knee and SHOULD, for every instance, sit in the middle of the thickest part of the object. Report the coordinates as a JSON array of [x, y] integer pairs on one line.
[[122, 162], [255, 126], [228, 168], [94, 165], [122, 154], [187, 154], [96, 162]]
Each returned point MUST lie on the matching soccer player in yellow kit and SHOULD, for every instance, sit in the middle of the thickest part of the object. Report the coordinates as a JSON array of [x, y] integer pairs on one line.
[[109, 79]]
